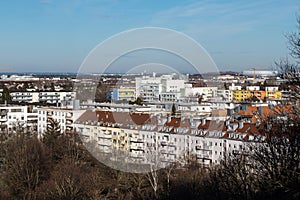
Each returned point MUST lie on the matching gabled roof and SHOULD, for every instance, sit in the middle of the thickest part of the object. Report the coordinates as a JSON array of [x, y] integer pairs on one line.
[[122, 117], [247, 128], [217, 125], [205, 125], [88, 115], [178, 122]]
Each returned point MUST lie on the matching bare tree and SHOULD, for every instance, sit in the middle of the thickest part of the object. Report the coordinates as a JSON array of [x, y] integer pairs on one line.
[[277, 161], [288, 70], [294, 41], [25, 164]]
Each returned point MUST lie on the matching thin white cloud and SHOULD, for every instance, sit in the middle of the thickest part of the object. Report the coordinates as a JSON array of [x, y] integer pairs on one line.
[[233, 17]]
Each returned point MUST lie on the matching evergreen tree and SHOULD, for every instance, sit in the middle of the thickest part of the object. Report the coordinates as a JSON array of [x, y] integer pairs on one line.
[[173, 110], [52, 87], [51, 138], [6, 95], [139, 101]]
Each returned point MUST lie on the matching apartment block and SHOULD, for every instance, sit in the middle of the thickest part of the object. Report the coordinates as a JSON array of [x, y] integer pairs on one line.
[[43, 96], [121, 94], [171, 139], [65, 117], [14, 117]]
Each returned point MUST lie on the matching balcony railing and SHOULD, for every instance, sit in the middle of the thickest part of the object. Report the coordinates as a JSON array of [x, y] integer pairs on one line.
[[137, 140], [104, 143], [134, 147], [104, 136]]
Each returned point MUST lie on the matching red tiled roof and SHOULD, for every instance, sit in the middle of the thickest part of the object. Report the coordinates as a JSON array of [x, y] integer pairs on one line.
[[88, 115], [267, 111], [174, 122], [204, 126], [217, 125], [247, 128], [122, 117]]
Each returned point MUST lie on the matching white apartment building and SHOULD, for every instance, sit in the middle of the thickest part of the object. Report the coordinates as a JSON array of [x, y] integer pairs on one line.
[[223, 95], [28, 97], [204, 108], [14, 117], [271, 89], [163, 88], [169, 138], [253, 88], [205, 92], [65, 117], [235, 87], [44, 96]]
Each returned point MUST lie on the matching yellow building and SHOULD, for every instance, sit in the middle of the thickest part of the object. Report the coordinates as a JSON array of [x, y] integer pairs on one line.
[[274, 94], [240, 95], [260, 95], [126, 93], [243, 95]]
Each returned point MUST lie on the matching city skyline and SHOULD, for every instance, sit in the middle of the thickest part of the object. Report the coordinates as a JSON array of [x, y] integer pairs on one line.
[[56, 36]]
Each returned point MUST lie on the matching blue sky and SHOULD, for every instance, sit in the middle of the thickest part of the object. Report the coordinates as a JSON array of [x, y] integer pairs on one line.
[[56, 35]]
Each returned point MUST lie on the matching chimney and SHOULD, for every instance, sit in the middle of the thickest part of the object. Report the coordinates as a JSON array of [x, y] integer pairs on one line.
[[227, 122], [241, 124], [76, 105], [169, 118], [238, 108], [260, 110]]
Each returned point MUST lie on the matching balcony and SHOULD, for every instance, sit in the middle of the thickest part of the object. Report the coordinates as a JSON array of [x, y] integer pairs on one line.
[[3, 119], [104, 143], [69, 128], [164, 143], [49, 113], [104, 136], [137, 155], [204, 157], [69, 122], [171, 144], [204, 148], [137, 148], [137, 140], [167, 160], [163, 151], [69, 116]]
